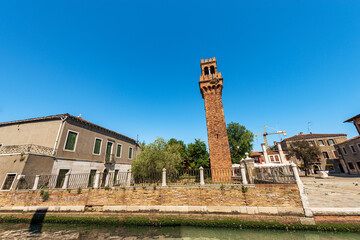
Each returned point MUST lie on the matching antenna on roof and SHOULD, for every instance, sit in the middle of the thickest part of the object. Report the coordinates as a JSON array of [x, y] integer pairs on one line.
[[309, 127]]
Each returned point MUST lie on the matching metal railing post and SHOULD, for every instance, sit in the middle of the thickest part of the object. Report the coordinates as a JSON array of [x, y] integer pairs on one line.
[[36, 182], [66, 181], [202, 180], [97, 180], [128, 178], [163, 178]]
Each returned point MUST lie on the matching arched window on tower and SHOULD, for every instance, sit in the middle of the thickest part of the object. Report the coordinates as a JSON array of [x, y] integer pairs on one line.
[[206, 70], [212, 69]]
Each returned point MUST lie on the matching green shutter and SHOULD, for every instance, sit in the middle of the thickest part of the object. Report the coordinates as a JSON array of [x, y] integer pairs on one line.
[[97, 146], [118, 151], [130, 152], [70, 142]]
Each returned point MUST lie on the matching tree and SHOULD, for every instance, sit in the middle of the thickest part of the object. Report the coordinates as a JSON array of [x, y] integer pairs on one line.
[[240, 141], [154, 157], [305, 152], [198, 155]]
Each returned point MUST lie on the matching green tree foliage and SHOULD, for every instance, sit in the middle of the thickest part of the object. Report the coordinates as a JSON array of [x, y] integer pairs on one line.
[[305, 152], [154, 157], [240, 141], [198, 155]]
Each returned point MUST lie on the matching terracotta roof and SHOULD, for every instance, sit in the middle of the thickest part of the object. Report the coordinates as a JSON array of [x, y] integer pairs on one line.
[[351, 119], [66, 116], [313, 135], [350, 140]]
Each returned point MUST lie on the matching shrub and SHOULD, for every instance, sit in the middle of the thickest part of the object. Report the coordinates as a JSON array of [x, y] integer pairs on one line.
[[45, 196], [107, 188], [244, 189], [222, 187], [79, 190]]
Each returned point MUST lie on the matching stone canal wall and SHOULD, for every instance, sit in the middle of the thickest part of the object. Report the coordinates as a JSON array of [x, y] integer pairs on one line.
[[263, 195]]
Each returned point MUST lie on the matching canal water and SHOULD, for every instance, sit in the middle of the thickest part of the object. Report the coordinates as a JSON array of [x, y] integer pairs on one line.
[[67, 231]]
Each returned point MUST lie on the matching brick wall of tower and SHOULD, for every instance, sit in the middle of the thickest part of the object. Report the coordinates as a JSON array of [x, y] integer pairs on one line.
[[216, 127]]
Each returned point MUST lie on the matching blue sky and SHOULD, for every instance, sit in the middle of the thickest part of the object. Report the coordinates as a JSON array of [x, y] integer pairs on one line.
[[134, 66]]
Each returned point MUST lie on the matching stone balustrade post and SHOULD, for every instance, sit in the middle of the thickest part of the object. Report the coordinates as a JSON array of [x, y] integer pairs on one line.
[[97, 180], [128, 178], [107, 180], [243, 173], [249, 164], [304, 198], [202, 180], [66, 181], [163, 178], [36, 182]]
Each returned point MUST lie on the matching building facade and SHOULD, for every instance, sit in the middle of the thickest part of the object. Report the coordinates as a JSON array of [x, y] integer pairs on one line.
[[329, 158], [60, 144], [270, 157], [349, 151]]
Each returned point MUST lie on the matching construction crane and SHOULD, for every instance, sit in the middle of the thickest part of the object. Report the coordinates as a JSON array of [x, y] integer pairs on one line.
[[266, 133]]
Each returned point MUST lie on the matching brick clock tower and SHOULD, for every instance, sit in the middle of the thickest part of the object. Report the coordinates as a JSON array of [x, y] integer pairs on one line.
[[211, 85]]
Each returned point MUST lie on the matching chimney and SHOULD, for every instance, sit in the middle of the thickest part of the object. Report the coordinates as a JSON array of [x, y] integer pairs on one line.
[[301, 133]]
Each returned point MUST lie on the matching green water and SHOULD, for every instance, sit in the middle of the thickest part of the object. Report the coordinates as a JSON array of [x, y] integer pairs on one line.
[[63, 231]]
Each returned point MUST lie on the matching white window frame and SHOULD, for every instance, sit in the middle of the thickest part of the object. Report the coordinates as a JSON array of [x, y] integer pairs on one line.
[[350, 146], [330, 143], [120, 150], [96, 138], [132, 153], [112, 147], [2, 185], [323, 142], [77, 138]]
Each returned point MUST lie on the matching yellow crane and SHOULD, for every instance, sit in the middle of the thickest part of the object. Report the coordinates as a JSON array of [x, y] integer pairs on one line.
[[266, 133]]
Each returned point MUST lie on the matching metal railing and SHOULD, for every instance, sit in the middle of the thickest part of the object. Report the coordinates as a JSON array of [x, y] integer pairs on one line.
[[274, 175], [116, 179]]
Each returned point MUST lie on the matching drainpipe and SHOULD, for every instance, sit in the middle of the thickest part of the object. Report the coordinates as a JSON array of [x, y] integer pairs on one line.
[[58, 134]]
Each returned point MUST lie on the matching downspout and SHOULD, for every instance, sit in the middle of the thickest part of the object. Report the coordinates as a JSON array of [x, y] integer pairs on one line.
[[58, 134]]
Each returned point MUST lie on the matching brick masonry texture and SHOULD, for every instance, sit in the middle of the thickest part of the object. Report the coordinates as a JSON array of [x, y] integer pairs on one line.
[[211, 86], [262, 195]]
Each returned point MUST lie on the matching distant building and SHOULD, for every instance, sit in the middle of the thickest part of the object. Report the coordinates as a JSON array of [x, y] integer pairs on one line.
[[58, 144], [270, 157], [329, 158], [349, 151]]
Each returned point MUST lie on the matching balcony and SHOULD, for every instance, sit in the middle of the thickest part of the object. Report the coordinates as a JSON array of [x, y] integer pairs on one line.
[[109, 158], [27, 148]]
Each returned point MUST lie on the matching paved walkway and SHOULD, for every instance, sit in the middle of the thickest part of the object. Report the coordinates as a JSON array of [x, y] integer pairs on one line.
[[336, 192]]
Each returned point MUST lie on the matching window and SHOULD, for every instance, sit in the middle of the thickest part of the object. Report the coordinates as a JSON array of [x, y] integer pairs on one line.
[[118, 150], [71, 139], [61, 178], [311, 143], [277, 158], [272, 158], [351, 166], [321, 143], [344, 150], [130, 152], [357, 145], [358, 164], [109, 151], [352, 149], [339, 151], [325, 155], [336, 154], [97, 146], [212, 69], [91, 178], [116, 173], [9, 181], [331, 142], [0, 145]]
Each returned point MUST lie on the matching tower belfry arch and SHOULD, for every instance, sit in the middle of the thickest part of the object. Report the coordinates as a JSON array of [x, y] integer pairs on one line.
[[211, 85]]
